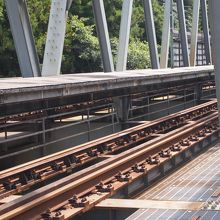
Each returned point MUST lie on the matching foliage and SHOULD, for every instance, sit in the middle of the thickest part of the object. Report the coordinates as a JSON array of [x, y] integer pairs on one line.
[[158, 10], [81, 50], [138, 55], [39, 16]]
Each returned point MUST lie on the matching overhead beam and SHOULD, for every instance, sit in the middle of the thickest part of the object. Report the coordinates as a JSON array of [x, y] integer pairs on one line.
[[205, 27], [165, 35], [124, 35], [194, 32], [23, 37], [103, 35], [151, 35], [183, 33], [55, 37]]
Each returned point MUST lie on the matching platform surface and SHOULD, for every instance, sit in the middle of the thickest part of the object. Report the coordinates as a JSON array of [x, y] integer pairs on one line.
[[197, 181], [20, 89]]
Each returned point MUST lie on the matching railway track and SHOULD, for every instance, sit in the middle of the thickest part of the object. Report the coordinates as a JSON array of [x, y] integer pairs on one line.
[[157, 144], [22, 177]]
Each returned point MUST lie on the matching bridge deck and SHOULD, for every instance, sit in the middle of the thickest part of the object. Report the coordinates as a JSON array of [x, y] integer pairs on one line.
[[23, 89]]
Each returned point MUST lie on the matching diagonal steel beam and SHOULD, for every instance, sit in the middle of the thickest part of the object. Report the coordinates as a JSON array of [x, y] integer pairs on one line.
[[165, 35], [124, 35], [103, 35], [151, 35], [55, 37], [23, 37], [194, 32], [183, 33]]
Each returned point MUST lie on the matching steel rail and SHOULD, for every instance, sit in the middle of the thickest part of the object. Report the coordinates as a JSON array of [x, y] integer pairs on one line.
[[60, 195], [45, 112], [24, 176]]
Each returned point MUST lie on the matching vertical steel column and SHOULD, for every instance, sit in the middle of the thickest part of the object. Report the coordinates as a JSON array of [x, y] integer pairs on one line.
[[43, 137], [214, 18], [23, 37], [205, 27], [124, 35], [103, 35], [171, 35], [122, 107], [150, 31], [55, 37], [165, 36], [183, 34], [194, 32]]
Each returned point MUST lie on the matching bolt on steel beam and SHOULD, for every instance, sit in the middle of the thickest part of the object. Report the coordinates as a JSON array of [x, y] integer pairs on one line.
[[55, 37]]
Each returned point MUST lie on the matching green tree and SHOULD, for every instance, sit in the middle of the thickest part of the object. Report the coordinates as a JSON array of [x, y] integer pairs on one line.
[[138, 54], [81, 50]]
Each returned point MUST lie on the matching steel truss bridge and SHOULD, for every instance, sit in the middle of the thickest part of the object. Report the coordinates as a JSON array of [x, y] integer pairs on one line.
[[116, 144]]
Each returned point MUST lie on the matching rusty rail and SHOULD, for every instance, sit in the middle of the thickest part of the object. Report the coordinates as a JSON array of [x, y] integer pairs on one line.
[[79, 192], [24, 176]]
